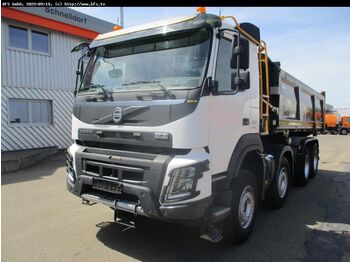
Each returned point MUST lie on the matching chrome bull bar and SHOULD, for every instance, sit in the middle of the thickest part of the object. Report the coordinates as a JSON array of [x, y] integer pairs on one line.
[[124, 205]]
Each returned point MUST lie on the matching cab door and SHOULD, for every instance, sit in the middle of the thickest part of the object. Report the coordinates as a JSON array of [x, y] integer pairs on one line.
[[232, 114]]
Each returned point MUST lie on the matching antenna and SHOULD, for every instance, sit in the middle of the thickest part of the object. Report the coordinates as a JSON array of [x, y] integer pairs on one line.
[[220, 12]]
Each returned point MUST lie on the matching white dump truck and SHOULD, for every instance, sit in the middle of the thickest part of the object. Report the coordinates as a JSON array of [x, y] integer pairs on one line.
[[188, 121]]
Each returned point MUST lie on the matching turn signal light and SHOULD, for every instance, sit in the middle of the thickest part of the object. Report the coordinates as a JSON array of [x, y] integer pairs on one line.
[[117, 27], [201, 10]]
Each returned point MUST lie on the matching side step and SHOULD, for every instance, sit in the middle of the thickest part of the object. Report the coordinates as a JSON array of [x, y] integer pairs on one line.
[[213, 232], [125, 219]]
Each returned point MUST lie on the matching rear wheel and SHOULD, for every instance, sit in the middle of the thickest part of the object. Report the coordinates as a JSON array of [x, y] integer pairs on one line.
[[314, 161], [239, 224], [303, 174], [276, 196]]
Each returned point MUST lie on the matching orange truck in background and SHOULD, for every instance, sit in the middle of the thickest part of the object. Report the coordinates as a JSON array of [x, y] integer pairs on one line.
[[332, 122], [345, 125]]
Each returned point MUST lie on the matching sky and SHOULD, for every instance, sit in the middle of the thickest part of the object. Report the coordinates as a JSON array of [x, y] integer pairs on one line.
[[312, 43]]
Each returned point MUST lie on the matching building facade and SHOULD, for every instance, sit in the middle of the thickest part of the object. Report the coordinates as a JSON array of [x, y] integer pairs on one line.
[[343, 111], [38, 73]]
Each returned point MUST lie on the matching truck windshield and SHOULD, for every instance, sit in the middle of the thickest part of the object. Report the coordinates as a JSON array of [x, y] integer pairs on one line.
[[176, 62]]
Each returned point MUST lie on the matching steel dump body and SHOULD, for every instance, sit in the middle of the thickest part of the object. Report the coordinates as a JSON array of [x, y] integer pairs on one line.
[[300, 108]]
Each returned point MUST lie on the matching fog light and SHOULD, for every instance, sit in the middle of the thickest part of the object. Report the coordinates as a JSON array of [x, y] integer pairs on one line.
[[181, 183]]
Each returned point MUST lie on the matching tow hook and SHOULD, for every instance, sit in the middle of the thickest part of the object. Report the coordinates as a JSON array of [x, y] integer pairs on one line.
[[87, 202]]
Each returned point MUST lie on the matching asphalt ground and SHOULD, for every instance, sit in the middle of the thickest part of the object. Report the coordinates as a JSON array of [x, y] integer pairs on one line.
[[42, 221]]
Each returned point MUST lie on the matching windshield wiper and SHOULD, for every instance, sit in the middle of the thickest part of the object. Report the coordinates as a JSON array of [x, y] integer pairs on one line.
[[106, 93], [93, 86], [163, 88]]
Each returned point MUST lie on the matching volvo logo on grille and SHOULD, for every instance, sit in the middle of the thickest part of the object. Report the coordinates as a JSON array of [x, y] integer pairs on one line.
[[117, 114]]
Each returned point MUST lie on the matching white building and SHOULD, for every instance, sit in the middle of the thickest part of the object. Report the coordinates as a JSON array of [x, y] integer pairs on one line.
[[344, 111], [38, 73]]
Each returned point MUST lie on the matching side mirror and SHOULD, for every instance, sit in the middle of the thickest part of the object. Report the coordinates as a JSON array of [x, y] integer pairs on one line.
[[115, 73], [241, 50], [241, 81]]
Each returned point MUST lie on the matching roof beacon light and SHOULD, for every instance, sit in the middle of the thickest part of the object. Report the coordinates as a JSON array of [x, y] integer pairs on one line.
[[117, 27], [201, 10]]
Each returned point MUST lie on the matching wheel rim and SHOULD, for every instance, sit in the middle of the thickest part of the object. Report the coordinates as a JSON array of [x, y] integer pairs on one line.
[[315, 161], [282, 182], [307, 166], [343, 132], [246, 207]]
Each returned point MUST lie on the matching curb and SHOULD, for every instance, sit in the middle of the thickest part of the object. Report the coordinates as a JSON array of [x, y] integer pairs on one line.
[[12, 165]]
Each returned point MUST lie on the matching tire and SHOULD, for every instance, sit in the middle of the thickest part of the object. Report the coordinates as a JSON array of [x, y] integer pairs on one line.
[[314, 161], [244, 202], [303, 174], [343, 132], [276, 196]]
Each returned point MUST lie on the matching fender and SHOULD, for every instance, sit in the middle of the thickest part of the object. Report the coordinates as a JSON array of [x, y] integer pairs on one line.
[[278, 151], [299, 143], [222, 182], [246, 144]]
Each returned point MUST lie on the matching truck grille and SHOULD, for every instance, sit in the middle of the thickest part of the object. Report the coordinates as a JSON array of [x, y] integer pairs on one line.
[[114, 172]]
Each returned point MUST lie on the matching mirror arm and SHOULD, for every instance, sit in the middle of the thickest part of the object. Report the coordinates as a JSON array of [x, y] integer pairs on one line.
[[78, 72], [237, 80], [228, 29], [81, 71]]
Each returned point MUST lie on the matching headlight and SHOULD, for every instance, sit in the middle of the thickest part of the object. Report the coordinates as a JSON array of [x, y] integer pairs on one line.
[[181, 183]]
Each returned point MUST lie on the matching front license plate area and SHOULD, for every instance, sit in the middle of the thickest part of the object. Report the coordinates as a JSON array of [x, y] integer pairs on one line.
[[107, 186]]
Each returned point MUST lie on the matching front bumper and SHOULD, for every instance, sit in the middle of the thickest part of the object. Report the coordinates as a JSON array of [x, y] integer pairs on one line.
[[138, 197]]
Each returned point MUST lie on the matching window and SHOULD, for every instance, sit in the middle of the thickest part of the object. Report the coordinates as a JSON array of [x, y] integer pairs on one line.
[[28, 39], [223, 69], [18, 37], [19, 111], [40, 42], [25, 111], [178, 61]]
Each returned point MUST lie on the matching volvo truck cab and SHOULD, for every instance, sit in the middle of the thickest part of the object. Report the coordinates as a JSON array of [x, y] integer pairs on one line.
[[175, 121]]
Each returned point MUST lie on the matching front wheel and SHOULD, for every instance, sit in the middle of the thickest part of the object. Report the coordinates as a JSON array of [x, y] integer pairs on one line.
[[239, 224]]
